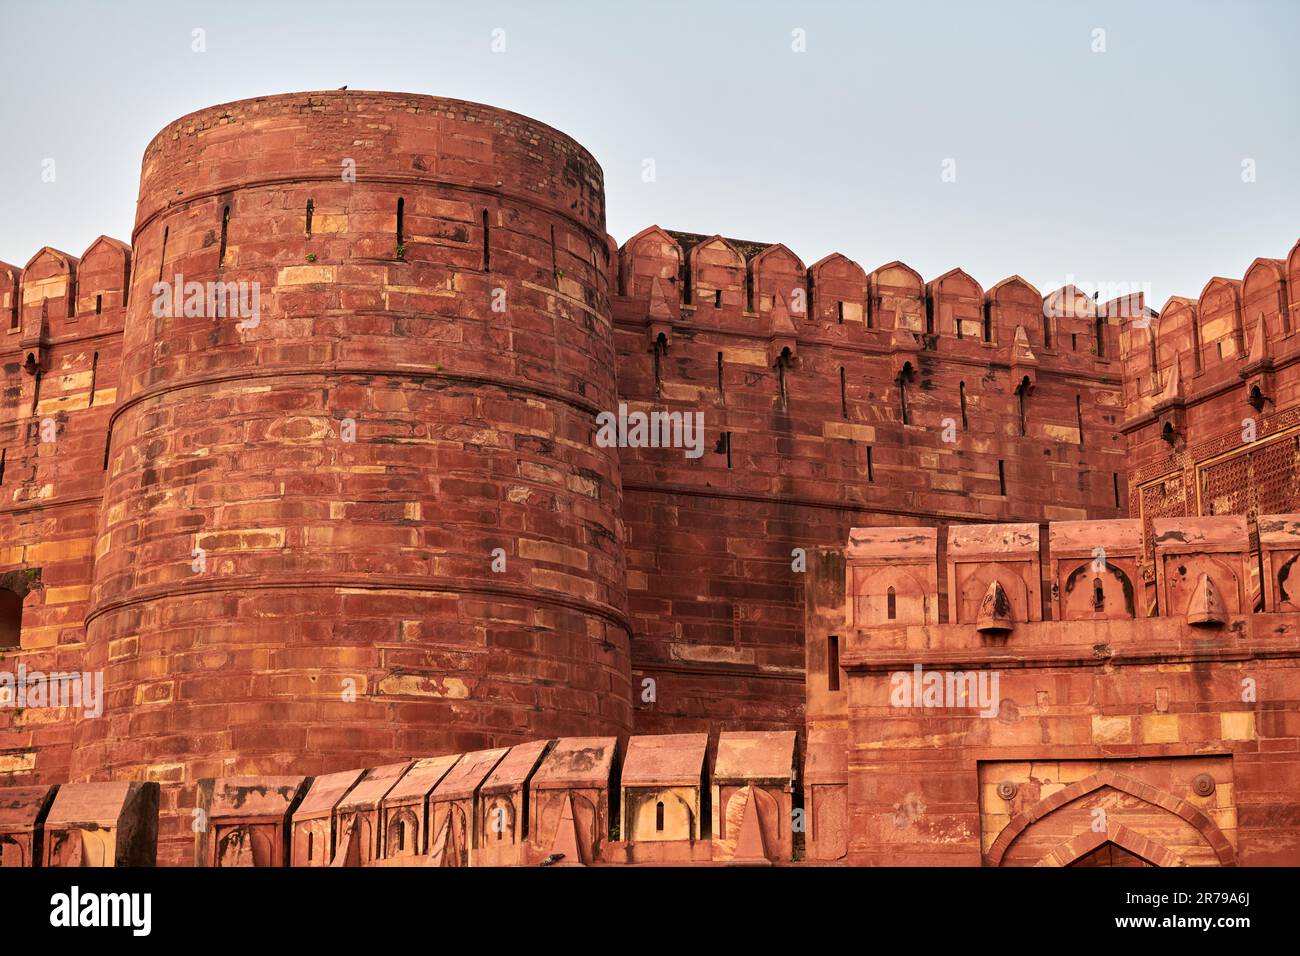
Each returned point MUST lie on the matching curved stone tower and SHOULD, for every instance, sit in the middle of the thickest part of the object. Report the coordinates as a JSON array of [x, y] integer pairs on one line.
[[297, 565]]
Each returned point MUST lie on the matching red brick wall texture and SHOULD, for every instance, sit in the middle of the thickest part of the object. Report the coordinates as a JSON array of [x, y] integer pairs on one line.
[[369, 515]]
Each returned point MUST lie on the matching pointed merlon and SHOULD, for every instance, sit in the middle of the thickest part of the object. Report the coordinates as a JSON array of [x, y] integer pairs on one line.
[[566, 842], [663, 301], [751, 847], [444, 851], [74, 853], [904, 340], [349, 849], [1021, 353], [1205, 607], [782, 324], [1173, 390], [995, 615], [1259, 353]]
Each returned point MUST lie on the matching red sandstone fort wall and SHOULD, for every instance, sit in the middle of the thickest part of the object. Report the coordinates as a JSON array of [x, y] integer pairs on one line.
[[61, 321], [1212, 399], [716, 605], [268, 594], [179, 508]]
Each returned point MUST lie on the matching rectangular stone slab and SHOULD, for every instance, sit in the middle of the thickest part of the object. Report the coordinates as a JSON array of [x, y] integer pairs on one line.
[[1122, 536], [577, 762], [425, 774], [516, 768], [88, 804], [326, 792], [270, 797], [374, 787], [757, 756], [665, 760], [465, 777], [21, 808]]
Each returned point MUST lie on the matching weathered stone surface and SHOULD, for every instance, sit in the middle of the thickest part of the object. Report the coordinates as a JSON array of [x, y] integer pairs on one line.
[[373, 523], [965, 747], [102, 824]]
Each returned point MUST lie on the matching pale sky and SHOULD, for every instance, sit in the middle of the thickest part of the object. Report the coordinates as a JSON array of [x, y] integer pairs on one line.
[[1108, 167]]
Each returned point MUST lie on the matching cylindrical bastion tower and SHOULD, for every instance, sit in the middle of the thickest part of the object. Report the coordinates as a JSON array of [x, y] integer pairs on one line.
[[361, 515]]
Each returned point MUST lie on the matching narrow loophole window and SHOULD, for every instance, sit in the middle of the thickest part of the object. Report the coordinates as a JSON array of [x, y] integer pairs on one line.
[[661, 348], [1114, 477], [659, 817], [225, 233], [1002, 478], [94, 373], [11, 618], [162, 256], [311, 846], [1098, 595], [844, 395], [3, 452], [723, 447], [108, 443], [722, 395], [401, 836], [839, 312], [401, 220], [487, 243], [891, 604], [311, 208], [1021, 397], [961, 392], [833, 662], [717, 298], [871, 467], [1078, 414], [99, 305], [781, 364]]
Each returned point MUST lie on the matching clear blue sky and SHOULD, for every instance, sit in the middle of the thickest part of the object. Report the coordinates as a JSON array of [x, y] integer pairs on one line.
[[1117, 166]]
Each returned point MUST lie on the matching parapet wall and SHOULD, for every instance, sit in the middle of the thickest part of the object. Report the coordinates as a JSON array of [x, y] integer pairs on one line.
[[472, 564], [568, 802], [1212, 399], [61, 321], [1082, 726], [831, 398]]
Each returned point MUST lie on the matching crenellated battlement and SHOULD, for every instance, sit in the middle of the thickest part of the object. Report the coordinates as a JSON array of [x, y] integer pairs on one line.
[[830, 398], [1195, 348], [376, 517], [735, 285]]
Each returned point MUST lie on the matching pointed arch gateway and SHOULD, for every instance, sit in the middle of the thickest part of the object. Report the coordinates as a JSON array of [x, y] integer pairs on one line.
[[1076, 851], [1115, 832]]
